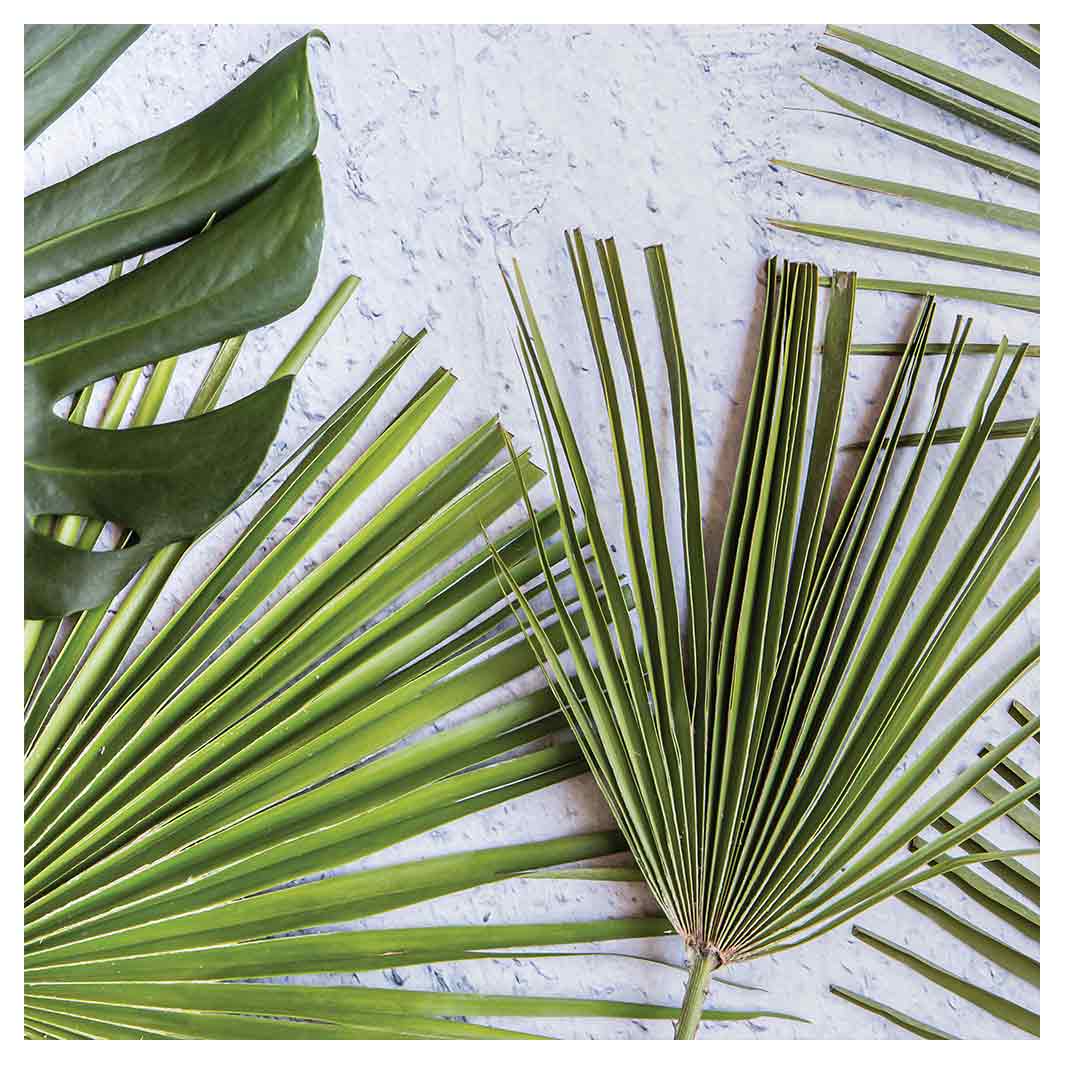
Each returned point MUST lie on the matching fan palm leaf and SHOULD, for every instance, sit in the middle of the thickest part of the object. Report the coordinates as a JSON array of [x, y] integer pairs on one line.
[[998, 1006], [889, 1013], [176, 807], [746, 735]]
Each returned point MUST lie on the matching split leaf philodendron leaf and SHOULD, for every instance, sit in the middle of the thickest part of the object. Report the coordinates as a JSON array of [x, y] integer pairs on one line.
[[244, 163], [61, 63], [755, 745], [164, 482], [164, 189]]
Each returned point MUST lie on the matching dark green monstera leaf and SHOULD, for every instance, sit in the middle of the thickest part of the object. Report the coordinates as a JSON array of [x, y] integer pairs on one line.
[[62, 63], [164, 189], [246, 161]]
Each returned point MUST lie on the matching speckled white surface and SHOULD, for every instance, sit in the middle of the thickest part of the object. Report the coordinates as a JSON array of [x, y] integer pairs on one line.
[[448, 150]]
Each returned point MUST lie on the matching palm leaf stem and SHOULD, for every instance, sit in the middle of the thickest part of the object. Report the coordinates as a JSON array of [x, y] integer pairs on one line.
[[696, 992]]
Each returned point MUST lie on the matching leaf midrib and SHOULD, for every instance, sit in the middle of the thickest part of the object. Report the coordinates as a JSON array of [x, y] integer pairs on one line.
[[171, 312], [130, 212], [48, 56]]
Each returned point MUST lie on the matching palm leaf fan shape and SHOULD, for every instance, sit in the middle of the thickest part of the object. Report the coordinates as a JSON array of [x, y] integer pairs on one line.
[[747, 734], [976, 102], [176, 807]]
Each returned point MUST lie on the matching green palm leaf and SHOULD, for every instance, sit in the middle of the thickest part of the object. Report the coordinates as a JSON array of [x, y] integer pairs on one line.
[[996, 1005], [1018, 45], [1007, 429], [889, 1013], [994, 297], [176, 808], [989, 896], [746, 743], [1001, 955], [934, 249], [976, 102], [992, 948], [992, 212], [982, 91], [890, 348], [1017, 875], [1022, 715]]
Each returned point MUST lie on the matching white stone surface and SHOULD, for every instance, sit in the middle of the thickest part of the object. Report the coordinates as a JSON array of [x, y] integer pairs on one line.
[[446, 151]]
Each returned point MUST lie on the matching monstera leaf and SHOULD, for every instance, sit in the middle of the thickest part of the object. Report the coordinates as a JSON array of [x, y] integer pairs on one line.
[[246, 161], [63, 63]]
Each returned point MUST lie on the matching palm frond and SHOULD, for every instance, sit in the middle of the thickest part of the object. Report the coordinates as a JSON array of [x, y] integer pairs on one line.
[[176, 807], [997, 1005], [1001, 955], [747, 735], [1022, 715], [889, 1013], [892, 348], [977, 103], [1020, 301], [1007, 429], [1011, 872], [978, 89], [1018, 45], [988, 895], [992, 948], [991, 212]]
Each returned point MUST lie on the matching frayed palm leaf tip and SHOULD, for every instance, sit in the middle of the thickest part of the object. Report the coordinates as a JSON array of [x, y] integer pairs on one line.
[[754, 737]]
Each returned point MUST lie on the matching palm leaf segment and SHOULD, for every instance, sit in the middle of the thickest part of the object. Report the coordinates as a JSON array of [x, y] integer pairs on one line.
[[242, 751], [987, 888], [745, 735], [1009, 116]]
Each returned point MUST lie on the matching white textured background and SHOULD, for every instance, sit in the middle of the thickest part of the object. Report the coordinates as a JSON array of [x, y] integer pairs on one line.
[[446, 150]]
